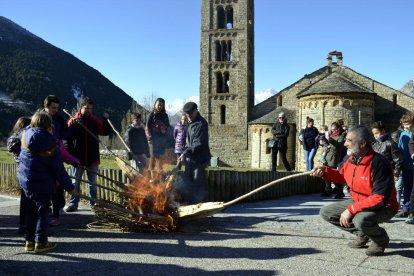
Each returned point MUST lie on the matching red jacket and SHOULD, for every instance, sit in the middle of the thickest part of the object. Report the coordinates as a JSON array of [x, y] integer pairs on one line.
[[371, 181]]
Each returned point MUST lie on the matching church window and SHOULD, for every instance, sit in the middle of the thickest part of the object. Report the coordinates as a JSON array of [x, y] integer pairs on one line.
[[226, 82], [268, 150], [219, 83], [223, 114], [335, 103], [394, 100], [279, 101], [218, 51], [229, 18], [220, 17]]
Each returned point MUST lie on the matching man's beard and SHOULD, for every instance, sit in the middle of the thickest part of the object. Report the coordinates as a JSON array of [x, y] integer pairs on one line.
[[354, 150]]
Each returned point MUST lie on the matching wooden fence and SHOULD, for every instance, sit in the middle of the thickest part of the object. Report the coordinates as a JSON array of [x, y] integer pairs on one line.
[[222, 185]]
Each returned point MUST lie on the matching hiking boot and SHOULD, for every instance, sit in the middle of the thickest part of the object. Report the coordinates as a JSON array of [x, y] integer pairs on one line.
[[54, 222], [410, 219], [30, 246], [401, 214], [71, 208], [42, 247], [376, 250], [359, 242]]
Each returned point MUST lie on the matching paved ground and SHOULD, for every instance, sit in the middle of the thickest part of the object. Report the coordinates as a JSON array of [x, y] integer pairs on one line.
[[284, 236]]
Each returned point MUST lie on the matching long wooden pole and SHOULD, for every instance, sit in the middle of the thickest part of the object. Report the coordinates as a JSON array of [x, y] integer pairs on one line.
[[265, 187], [119, 135]]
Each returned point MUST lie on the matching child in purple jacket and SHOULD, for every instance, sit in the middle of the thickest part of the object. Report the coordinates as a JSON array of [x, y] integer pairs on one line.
[[180, 135]]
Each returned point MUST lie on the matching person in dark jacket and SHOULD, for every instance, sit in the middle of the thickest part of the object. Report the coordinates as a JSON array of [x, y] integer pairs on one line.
[[280, 131], [196, 156], [336, 139], [40, 167], [14, 146], [85, 147], [137, 142], [309, 135], [51, 106], [386, 146], [157, 128], [373, 196]]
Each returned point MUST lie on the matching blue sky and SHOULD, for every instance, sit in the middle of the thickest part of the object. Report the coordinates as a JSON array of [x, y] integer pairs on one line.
[[149, 47]]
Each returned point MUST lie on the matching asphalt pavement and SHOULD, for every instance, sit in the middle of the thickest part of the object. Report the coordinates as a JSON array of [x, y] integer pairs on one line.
[[278, 237]]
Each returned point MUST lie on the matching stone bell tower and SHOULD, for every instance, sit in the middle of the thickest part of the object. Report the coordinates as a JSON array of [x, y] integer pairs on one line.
[[227, 77]]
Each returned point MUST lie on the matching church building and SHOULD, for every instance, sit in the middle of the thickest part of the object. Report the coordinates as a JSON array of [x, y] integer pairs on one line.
[[239, 130]]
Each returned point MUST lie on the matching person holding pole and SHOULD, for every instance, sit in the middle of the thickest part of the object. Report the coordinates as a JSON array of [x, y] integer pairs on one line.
[[373, 197], [84, 145]]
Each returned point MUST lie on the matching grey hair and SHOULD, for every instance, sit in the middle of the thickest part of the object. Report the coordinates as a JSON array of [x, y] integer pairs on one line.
[[362, 133]]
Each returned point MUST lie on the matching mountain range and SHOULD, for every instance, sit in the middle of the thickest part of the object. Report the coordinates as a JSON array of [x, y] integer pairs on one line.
[[31, 69]]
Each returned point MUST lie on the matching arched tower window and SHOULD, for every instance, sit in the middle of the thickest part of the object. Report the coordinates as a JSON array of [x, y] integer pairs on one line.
[[394, 100], [218, 51], [219, 83], [226, 82], [220, 17], [223, 114], [229, 17]]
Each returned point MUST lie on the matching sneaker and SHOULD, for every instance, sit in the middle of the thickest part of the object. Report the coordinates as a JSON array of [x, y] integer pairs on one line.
[[30, 246], [71, 208], [410, 219], [54, 222], [376, 250], [359, 242], [401, 214], [42, 247]]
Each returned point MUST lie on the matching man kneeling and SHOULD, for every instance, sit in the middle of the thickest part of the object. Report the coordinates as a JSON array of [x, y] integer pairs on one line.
[[370, 178]]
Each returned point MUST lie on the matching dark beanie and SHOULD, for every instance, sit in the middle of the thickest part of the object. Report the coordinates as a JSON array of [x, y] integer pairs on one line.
[[189, 107]]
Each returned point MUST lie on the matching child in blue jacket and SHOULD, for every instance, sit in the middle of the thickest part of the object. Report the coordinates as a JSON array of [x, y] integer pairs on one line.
[[40, 167]]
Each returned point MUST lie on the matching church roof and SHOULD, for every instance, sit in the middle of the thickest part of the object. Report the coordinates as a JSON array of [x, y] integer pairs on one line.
[[332, 84], [271, 117]]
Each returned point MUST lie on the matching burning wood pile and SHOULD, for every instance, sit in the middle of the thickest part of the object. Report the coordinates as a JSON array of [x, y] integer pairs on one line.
[[148, 204]]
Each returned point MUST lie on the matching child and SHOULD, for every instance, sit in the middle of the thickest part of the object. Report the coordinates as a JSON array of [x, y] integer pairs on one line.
[[180, 135], [58, 197], [322, 139], [40, 167], [13, 146], [137, 142]]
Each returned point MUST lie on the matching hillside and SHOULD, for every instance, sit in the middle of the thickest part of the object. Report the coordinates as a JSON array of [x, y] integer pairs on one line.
[[31, 69]]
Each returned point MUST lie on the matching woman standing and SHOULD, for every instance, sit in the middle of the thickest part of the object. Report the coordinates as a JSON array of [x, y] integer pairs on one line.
[[309, 135], [157, 130]]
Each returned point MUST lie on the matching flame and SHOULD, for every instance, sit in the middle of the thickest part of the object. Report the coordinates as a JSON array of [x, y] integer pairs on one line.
[[155, 198]]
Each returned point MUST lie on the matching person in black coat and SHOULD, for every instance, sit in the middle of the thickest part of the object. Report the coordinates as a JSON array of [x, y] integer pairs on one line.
[[196, 156], [280, 131], [136, 139], [308, 137]]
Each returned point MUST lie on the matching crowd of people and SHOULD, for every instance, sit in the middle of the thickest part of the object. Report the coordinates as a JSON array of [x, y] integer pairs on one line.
[[43, 142], [374, 165]]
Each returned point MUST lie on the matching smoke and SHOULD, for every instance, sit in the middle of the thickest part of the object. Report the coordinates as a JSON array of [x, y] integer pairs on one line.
[[76, 91]]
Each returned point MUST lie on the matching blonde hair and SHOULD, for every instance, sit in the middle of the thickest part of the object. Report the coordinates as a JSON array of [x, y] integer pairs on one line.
[[41, 119]]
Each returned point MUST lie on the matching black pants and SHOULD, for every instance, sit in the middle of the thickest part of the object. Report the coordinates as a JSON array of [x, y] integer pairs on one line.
[[195, 177], [282, 156], [58, 201]]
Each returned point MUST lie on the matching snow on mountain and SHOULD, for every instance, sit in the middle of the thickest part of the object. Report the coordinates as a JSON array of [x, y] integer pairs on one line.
[[264, 95], [175, 106], [408, 88]]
